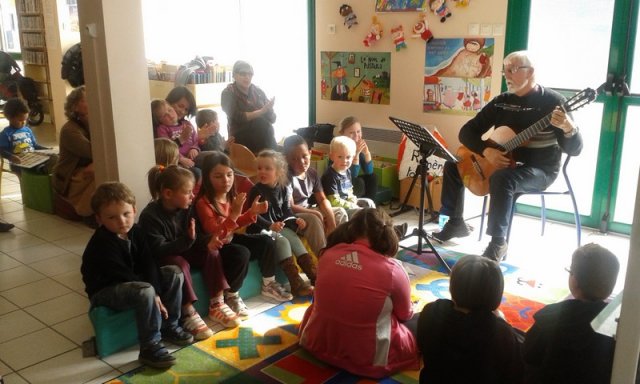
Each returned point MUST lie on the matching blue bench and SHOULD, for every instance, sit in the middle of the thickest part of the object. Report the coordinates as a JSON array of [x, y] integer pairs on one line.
[[116, 330]]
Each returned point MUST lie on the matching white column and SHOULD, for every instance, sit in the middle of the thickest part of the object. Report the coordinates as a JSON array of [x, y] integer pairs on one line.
[[117, 85], [628, 334]]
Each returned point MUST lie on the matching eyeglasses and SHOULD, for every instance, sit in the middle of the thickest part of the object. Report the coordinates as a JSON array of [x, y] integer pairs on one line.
[[513, 70], [568, 269]]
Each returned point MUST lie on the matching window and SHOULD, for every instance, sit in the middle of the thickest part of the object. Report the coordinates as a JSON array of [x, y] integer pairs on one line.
[[271, 35]]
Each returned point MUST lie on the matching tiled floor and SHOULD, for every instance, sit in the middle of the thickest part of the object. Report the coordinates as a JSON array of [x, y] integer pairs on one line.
[[43, 307]]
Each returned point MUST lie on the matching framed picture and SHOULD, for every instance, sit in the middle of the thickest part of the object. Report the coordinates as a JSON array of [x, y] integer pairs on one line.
[[401, 5], [356, 72]]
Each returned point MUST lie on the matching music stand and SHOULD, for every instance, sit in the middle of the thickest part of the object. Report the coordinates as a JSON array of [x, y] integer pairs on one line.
[[427, 145]]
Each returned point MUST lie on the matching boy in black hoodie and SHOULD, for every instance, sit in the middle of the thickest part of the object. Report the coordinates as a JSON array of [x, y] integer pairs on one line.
[[561, 346]]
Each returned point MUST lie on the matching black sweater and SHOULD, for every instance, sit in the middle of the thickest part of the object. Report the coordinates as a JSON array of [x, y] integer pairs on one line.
[[519, 113], [109, 260], [561, 346], [477, 347]]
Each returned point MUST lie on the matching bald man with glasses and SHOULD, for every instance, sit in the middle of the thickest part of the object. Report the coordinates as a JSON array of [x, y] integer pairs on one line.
[[533, 166]]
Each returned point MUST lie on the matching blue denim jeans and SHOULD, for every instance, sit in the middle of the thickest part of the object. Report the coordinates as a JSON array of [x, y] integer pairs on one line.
[[140, 296], [504, 184]]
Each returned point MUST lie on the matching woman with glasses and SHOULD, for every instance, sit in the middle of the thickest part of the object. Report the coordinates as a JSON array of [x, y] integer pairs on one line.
[[249, 112], [532, 166]]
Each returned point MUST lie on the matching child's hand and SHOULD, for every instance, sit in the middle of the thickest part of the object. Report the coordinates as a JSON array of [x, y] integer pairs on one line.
[[185, 134], [161, 308], [192, 154], [301, 223], [214, 243], [191, 230], [277, 226], [186, 162], [15, 159], [258, 207], [238, 203]]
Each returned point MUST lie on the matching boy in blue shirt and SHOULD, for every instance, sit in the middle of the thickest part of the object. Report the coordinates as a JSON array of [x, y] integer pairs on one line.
[[17, 138], [119, 272]]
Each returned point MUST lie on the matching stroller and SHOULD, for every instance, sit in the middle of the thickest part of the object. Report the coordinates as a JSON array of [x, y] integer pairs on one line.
[[13, 84]]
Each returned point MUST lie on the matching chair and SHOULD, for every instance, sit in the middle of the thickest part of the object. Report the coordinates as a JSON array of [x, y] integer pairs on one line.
[[243, 160], [543, 216]]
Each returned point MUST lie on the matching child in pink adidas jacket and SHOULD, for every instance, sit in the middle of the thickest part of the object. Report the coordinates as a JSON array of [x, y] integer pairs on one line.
[[359, 318]]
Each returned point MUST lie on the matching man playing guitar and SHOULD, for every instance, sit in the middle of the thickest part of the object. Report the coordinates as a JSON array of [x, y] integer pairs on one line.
[[532, 166]]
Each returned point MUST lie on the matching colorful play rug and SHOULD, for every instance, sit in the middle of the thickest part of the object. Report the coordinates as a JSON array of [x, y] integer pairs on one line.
[[264, 349]]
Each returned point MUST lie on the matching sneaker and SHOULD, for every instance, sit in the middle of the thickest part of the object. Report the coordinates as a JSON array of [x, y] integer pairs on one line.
[[453, 228], [5, 227], [495, 252], [196, 326], [222, 314], [401, 230], [156, 355], [237, 305], [177, 336], [276, 291]]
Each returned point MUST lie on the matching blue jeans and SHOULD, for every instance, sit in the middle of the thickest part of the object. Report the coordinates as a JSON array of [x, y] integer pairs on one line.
[[504, 184], [140, 296]]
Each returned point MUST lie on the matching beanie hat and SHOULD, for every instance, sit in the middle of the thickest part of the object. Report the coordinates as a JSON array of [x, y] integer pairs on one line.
[[242, 66]]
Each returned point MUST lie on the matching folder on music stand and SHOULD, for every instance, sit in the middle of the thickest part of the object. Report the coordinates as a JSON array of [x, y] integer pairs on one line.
[[428, 145]]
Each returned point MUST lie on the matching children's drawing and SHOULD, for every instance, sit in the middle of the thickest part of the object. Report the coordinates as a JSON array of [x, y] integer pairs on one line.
[[401, 5], [457, 76], [361, 77]]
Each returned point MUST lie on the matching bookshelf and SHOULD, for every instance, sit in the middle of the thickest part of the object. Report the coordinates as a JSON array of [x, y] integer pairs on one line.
[[35, 57], [207, 94]]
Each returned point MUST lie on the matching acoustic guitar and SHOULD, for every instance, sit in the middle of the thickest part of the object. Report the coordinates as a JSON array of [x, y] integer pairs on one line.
[[475, 170]]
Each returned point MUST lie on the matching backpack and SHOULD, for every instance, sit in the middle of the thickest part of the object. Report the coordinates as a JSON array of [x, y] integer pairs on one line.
[[72, 70]]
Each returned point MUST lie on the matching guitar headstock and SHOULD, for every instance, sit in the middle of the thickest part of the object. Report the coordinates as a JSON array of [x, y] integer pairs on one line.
[[580, 99]]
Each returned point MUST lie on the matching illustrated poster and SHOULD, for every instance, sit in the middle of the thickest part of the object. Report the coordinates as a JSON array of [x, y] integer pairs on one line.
[[360, 77], [457, 75], [401, 5]]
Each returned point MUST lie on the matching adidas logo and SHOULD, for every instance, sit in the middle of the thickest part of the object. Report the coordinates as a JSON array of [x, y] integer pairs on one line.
[[350, 260]]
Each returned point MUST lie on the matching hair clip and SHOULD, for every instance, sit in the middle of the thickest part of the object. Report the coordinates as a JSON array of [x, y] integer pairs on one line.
[[160, 167]]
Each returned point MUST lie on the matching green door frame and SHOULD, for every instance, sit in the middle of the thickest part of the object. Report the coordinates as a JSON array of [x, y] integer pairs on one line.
[[623, 34]]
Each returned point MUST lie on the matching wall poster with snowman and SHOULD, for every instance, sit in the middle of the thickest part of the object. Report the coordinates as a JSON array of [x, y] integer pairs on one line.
[[457, 75]]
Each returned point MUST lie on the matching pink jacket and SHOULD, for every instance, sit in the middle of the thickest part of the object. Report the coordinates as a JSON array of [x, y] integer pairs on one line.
[[354, 321]]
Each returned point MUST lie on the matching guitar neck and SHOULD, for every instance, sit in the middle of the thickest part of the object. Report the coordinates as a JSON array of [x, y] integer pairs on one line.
[[527, 134]]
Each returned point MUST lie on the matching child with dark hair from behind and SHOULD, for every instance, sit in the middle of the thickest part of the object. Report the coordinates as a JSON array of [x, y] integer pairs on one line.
[[465, 339], [119, 272], [561, 346], [362, 318]]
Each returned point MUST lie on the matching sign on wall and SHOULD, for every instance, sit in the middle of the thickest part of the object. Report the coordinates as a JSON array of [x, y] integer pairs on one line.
[[401, 5], [361, 77], [457, 75]]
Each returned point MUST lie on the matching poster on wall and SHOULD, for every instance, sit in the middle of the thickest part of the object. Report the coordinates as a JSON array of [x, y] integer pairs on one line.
[[457, 75], [401, 5], [360, 77]]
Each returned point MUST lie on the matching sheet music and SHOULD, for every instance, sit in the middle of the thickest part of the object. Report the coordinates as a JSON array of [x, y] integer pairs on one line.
[[420, 135]]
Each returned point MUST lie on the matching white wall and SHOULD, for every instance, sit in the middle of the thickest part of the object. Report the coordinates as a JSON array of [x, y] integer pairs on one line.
[[407, 66]]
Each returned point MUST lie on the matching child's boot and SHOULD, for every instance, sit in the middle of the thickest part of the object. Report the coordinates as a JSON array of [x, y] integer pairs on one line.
[[298, 286], [308, 266]]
